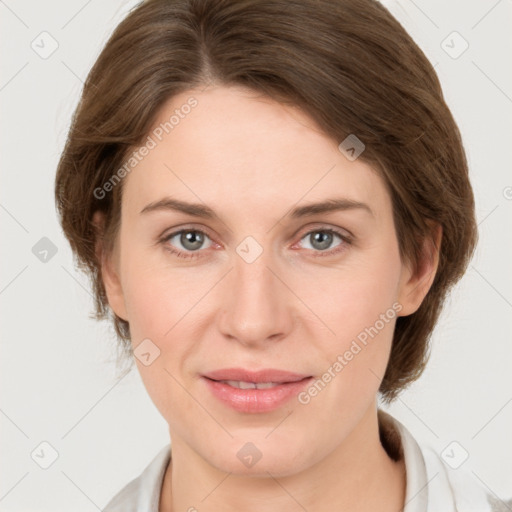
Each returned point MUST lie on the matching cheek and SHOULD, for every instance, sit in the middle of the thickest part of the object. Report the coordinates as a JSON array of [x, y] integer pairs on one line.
[[157, 296], [358, 305], [354, 297], [157, 304], [149, 305]]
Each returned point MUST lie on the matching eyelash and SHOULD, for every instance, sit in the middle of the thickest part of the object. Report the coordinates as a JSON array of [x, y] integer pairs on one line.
[[195, 254]]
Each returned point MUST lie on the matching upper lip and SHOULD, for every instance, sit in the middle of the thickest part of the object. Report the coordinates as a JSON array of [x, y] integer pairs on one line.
[[264, 375]]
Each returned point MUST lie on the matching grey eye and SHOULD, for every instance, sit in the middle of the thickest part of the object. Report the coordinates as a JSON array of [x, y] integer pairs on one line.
[[191, 240], [321, 240]]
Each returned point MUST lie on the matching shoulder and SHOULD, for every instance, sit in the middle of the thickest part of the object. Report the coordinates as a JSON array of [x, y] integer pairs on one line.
[[143, 492], [432, 484], [467, 491]]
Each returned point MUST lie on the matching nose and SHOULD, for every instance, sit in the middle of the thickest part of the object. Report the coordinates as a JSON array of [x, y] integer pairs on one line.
[[257, 306]]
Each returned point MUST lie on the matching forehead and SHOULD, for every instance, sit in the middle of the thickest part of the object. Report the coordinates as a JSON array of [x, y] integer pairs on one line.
[[239, 150]]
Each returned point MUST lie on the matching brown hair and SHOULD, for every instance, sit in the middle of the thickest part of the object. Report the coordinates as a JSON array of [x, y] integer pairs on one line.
[[347, 63]]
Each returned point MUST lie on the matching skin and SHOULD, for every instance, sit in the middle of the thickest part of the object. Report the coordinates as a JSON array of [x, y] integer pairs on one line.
[[251, 160]]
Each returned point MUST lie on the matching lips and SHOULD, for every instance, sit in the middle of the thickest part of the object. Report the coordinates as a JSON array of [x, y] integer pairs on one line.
[[267, 375], [255, 392]]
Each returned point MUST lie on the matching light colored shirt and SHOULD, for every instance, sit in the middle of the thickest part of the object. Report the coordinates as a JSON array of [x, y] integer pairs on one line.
[[431, 484]]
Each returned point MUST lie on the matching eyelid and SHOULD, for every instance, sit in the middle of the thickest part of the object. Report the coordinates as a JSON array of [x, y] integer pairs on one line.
[[169, 233], [322, 226]]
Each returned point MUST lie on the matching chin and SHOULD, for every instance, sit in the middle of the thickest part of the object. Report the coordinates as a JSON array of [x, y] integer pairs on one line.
[[246, 455]]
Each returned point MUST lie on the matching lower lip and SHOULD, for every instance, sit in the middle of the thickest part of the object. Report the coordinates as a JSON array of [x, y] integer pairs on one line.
[[256, 400]]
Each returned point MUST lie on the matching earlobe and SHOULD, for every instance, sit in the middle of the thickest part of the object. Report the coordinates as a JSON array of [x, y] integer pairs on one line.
[[416, 283], [109, 270]]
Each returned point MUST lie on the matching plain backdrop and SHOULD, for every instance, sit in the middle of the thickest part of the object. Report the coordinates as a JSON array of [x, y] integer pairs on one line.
[[58, 380]]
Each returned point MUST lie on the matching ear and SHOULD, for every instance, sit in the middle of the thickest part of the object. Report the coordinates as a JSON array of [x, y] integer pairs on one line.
[[416, 282], [109, 269]]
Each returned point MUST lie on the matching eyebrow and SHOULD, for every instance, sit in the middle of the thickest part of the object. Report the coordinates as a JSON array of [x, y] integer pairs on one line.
[[203, 211]]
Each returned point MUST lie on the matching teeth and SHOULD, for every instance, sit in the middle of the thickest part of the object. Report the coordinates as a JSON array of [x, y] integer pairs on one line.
[[250, 385]]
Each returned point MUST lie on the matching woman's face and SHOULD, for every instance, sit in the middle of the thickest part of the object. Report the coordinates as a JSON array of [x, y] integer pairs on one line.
[[260, 283]]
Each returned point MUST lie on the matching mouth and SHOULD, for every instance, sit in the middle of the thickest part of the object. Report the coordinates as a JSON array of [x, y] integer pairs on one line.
[[240, 384], [256, 393], [265, 376]]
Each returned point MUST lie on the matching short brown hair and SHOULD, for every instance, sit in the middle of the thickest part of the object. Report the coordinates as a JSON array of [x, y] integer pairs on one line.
[[348, 64]]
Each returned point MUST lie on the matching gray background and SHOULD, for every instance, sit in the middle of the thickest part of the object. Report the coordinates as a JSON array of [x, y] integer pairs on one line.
[[58, 380]]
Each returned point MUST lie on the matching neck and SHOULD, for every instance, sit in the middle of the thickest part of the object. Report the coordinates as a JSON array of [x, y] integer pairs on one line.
[[358, 475]]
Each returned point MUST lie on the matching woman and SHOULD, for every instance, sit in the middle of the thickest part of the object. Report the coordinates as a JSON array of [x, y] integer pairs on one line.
[[272, 200]]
